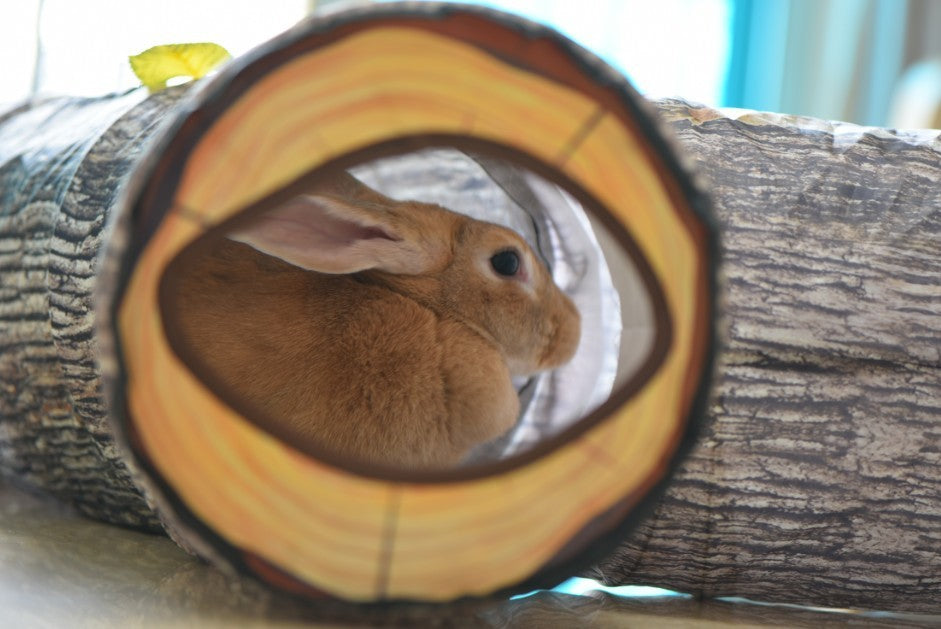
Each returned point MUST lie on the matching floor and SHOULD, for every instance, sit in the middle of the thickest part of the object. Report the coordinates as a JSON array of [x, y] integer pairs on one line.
[[61, 570]]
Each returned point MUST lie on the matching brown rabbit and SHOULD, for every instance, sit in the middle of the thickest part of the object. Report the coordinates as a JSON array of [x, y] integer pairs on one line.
[[379, 330]]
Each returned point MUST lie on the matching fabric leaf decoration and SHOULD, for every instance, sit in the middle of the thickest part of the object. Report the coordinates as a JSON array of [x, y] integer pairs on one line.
[[155, 66]]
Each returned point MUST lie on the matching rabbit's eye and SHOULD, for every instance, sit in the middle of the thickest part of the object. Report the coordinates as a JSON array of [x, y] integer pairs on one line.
[[506, 263]]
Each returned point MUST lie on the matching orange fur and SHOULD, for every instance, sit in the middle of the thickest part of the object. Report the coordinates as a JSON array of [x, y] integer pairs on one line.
[[408, 370]]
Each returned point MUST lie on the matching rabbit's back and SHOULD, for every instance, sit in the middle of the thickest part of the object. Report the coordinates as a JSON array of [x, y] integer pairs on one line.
[[333, 363]]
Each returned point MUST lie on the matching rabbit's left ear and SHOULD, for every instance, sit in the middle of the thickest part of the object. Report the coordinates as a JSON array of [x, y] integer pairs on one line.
[[332, 235]]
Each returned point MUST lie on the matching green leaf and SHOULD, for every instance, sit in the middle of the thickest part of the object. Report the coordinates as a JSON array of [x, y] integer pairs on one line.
[[155, 66]]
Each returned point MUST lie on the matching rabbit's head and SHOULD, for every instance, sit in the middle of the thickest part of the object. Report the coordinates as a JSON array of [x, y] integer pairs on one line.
[[480, 274]]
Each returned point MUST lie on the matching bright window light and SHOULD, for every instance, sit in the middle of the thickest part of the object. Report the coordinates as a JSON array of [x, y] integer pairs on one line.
[[666, 48], [17, 48], [86, 44]]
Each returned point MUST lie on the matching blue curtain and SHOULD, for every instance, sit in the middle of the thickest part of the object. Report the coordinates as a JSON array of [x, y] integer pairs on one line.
[[836, 59]]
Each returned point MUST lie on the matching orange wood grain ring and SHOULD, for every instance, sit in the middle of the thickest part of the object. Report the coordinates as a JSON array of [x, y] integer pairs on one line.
[[320, 95]]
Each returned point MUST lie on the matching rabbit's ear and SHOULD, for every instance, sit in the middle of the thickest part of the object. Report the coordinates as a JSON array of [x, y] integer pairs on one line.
[[331, 235]]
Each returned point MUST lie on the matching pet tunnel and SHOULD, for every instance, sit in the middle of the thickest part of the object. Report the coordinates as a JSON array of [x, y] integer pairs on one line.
[[815, 477], [365, 90]]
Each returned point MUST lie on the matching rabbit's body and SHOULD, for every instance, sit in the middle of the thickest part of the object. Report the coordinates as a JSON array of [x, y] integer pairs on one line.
[[377, 356], [402, 353]]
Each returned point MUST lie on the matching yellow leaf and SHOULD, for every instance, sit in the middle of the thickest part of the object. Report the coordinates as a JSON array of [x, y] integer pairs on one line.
[[155, 66]]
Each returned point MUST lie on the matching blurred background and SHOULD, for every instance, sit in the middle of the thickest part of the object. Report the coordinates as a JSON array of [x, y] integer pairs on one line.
[[872, 62]]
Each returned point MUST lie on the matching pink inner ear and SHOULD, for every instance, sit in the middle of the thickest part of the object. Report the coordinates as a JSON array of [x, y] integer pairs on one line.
[[324, 230], [349, 233], [321, 234]]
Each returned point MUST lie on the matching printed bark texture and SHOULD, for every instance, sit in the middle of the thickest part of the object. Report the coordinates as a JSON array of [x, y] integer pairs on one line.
[[816, 479], [62, 163]]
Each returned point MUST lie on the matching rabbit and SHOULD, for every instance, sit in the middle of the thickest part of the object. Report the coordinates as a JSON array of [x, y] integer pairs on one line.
[[384, 332]]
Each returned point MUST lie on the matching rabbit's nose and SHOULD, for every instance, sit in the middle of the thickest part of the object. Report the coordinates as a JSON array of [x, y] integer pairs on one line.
[[565, 336]]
